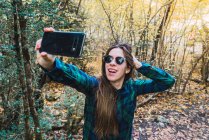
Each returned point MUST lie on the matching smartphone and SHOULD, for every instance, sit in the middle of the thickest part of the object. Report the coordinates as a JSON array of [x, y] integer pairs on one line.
[[63, 43]]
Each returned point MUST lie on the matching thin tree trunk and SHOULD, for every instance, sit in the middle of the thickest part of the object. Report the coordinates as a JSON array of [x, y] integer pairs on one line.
[[114, 35], [79, 4], [193, 68], [143, 35], [205, 68], [21, 73], [131, 23], [205, 59], [160, 32], [27, 68], [149, 20], [180, 72]]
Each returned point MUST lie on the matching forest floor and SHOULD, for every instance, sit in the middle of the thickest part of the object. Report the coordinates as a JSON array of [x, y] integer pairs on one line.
[[174, 117], [170, 116]]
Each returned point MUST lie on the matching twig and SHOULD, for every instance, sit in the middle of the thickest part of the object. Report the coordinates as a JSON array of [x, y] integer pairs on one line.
[[148, 99]]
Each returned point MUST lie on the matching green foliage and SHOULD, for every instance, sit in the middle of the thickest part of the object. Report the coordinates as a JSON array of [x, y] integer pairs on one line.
[[11, 134], [38, 14], [74, 102], [46, 121]]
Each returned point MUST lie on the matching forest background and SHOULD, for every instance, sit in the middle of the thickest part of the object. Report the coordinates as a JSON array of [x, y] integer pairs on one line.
[[170, 34]]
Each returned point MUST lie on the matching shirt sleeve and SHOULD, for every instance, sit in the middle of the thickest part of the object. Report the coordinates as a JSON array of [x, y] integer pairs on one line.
[[71, 75], [158, 81]]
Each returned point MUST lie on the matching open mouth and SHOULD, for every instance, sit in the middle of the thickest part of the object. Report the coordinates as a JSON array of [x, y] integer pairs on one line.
[[112, 70]]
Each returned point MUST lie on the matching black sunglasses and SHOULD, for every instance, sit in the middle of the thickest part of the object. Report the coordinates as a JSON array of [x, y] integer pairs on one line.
[[119, 60]]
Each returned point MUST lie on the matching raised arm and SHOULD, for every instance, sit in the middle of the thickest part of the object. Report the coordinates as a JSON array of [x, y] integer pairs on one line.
[[70, 75], [64, 73], [159, 80]]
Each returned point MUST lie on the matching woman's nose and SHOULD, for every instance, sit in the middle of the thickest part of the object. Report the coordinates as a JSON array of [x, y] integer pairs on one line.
[[113, 62]]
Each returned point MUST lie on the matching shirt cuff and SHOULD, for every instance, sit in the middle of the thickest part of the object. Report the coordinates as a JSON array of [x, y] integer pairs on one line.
[[144, 67]]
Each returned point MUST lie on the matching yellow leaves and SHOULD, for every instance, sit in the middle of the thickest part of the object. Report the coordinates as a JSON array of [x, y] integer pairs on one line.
[[75, 117], [184, 107], [52, 91], [200, 3], [53, 87]]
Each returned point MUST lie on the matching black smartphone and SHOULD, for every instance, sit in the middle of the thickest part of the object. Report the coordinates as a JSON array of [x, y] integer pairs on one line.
[[63, 43]]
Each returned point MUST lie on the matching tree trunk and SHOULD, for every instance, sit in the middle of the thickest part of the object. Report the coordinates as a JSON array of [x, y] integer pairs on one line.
[[142, 38], [160, 32], [114, 34], [20, 72], [79, 4], [205, 59], [39, 104], [193, 68], [180, 71], [27, 68], [131, 33], [205, 69]]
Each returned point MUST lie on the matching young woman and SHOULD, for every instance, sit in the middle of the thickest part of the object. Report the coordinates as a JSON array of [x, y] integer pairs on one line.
[[110, 99]]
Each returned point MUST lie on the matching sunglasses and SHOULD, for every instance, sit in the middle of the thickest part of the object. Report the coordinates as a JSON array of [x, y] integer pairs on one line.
[[119, 60]]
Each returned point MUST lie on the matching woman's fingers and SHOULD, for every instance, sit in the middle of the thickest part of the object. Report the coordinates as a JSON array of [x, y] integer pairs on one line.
[[43, 58], [47, 57], [49, 29], [38, 44], [43, 54]]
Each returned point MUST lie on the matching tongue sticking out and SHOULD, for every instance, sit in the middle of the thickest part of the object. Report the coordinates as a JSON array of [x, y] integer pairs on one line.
[[112, 70]]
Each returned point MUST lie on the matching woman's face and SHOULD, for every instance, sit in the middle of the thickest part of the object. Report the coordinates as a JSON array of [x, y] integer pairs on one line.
[[116, 72]]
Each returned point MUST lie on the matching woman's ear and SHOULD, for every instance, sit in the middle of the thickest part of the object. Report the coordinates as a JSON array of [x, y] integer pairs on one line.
[[128, 69]]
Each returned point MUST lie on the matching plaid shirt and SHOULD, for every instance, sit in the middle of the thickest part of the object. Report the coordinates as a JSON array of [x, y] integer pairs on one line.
[[70, 75]]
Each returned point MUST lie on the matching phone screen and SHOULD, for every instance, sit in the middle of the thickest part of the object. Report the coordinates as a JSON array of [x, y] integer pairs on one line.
[[63, 43]]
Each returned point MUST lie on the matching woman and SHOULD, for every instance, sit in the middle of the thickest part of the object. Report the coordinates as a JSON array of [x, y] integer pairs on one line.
[[111, 99]]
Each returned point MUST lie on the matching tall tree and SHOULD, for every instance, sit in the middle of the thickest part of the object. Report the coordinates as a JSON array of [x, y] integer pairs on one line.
[[160, 30], [20, 71], [205, 59]]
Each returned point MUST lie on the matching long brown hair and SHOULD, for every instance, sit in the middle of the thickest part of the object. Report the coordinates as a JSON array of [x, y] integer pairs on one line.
[[106, 122]]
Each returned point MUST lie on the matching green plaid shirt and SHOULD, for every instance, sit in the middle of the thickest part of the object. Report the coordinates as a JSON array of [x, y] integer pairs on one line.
[[70, 75]]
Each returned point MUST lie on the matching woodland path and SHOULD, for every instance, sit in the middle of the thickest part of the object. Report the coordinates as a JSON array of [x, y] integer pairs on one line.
[[174, 117]]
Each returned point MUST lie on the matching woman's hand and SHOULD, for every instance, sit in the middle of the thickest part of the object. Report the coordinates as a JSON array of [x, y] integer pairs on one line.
[[137, 63], [44, 59]]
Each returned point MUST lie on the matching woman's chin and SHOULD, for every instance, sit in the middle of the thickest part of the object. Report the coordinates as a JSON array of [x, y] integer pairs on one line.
[[111, 78]]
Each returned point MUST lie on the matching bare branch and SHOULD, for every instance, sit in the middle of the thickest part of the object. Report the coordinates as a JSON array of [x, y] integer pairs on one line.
[[115, 36]]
